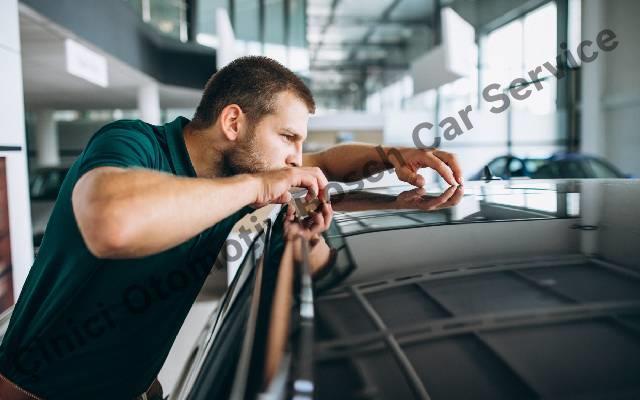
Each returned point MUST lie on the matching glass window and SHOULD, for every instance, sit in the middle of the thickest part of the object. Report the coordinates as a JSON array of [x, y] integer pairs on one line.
[[510, 52], [601, 170], [575, 26], [499, 167], [168, 16], [540, 37], [206, 17], [503, 54], [274, 21], [297, 22], [246, 20], [516, 168]]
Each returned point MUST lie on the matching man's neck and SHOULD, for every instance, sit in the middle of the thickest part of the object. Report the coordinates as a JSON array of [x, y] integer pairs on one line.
[[205, 152]]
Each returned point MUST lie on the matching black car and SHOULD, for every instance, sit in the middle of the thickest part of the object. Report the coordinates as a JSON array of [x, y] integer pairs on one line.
[[500, 290], [558, 166], [44, 186]]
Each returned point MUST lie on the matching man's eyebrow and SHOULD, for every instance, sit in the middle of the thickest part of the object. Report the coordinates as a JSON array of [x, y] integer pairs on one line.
[[292, 132]]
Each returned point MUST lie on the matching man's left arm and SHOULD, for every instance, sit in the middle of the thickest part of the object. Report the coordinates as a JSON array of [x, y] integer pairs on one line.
[[354, 161]]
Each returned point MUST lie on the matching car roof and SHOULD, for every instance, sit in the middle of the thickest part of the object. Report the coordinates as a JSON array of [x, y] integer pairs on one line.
[[522, 290], [493, 219]]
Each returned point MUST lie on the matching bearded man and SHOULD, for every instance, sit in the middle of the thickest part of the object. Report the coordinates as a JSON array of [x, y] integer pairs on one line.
[[94, 320]]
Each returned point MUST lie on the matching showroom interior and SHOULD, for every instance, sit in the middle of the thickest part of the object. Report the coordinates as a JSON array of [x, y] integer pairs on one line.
[[488, 80]]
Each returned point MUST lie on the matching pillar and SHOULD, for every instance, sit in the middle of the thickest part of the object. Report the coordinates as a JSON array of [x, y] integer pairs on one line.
[[149, 103], [47, 149]]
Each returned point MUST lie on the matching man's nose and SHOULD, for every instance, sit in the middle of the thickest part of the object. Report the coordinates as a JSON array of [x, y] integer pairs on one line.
[[295, 160]]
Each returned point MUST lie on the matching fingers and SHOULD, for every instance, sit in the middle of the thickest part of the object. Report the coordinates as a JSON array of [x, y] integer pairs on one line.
[[317, 223], [441, 168], [406, 174], [455, 199], [451, 161], [290, 213], [311, 178], [432, 203], [327, 214], [283, 198]]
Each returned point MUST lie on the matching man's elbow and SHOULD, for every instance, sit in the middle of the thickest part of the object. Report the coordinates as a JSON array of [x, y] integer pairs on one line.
[[101, 219], [106, 236]]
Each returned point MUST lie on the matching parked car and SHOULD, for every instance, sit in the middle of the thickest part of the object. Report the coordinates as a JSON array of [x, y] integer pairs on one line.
[[44, 186], [558, 166], [499, 290]]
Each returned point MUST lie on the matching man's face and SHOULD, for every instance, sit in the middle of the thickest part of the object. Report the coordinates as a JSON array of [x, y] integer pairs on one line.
[[275, 141]]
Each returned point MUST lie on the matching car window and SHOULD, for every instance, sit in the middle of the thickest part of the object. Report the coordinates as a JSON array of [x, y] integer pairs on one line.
[[602, 170], [572, 169], [516, 168], [498, 167], [220, 350], [532, 165]]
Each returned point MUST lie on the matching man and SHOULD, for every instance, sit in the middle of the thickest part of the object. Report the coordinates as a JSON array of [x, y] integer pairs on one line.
[[144, 208]]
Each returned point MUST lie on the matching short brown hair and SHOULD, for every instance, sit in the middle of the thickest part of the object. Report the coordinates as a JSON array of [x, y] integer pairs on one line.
[[252, 83]]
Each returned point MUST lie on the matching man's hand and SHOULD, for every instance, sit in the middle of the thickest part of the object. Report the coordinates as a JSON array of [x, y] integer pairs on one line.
[[407, 166], [273, 186], [318, 222]]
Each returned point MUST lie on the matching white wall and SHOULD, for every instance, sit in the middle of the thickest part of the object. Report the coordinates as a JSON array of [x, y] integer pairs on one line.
[[611, 85], [13, 134], [622, 87]]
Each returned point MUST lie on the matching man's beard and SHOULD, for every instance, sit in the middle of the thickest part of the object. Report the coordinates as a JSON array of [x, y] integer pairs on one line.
[[245, 157]]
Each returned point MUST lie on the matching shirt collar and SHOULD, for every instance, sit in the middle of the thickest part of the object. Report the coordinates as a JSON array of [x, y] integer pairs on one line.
[[178, 148]]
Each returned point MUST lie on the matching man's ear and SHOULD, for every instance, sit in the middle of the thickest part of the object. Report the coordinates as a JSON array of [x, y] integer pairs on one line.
[[230, 121]]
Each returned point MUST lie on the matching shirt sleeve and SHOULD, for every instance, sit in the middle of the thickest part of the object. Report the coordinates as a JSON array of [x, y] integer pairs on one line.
[[118, 148]]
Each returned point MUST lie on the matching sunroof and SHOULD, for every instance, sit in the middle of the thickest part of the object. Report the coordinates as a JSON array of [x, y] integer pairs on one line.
[[461, 367], [414, 306], [487, 293], [514, 331], [373, 375], [341, 317], [587, 282], [594, 359]]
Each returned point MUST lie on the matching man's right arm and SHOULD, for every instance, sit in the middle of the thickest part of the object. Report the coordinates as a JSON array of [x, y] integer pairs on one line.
[[135, 212]]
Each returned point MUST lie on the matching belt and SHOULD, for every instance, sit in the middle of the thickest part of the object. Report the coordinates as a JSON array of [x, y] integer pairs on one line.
[[11, 391]]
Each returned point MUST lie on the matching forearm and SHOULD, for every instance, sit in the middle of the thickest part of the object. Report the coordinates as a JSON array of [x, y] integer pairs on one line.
[[144, 212], [353, 161]]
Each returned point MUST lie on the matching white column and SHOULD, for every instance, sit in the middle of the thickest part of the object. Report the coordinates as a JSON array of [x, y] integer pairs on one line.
[[593, 81], [149, 103], [12, 135], [47, 147]]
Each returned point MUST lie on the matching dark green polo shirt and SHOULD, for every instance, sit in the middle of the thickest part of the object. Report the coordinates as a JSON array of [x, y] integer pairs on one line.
[[94, 328]]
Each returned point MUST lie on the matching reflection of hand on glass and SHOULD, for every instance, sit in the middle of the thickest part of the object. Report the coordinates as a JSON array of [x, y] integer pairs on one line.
[[418, 199], [414, 199], [311, 229]]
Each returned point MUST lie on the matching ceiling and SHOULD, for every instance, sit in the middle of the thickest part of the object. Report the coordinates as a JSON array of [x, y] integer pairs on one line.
[[47, 84], [355, 45]]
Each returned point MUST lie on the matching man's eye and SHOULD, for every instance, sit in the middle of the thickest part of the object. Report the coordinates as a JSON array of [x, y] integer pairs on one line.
[[290, 138]]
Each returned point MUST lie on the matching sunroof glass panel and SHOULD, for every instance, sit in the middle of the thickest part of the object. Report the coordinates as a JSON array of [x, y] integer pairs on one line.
[[463, 368], [588, 358], [587, 282], [341, 317], [374, 375], [404, 305], [487, 293]]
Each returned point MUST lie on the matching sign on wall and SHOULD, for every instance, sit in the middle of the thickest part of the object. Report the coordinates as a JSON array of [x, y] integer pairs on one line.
[[86, 63]]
